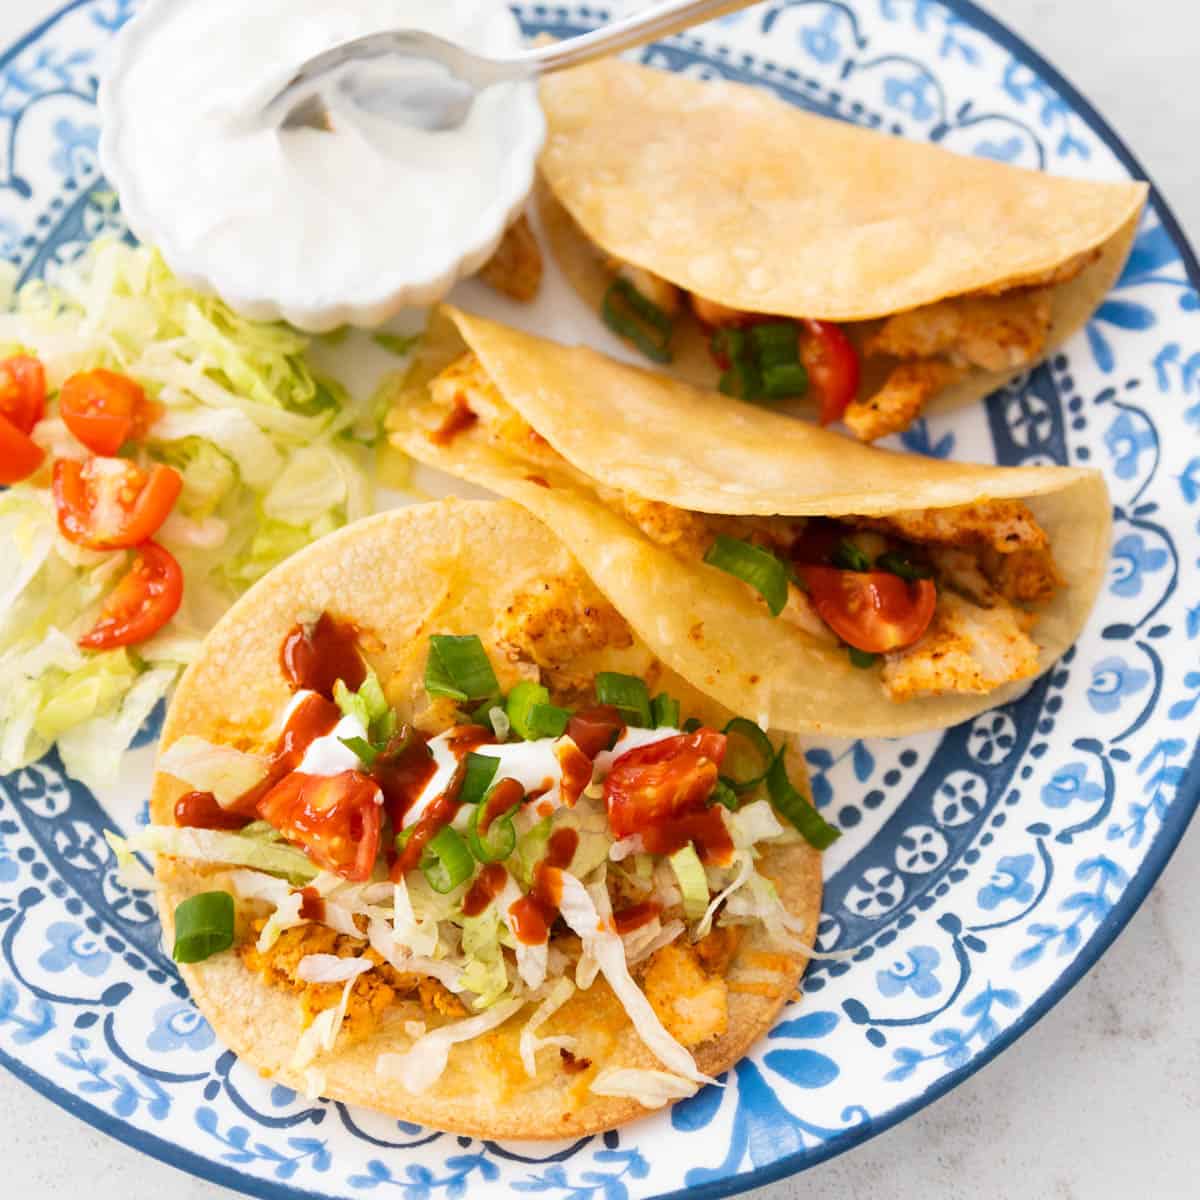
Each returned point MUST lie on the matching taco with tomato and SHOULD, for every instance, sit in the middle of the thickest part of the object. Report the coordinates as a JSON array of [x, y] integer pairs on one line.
[[793, 259], [439, 835], [817, 583]]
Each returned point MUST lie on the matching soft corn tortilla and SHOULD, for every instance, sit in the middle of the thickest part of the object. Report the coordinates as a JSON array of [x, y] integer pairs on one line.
[[438, 568], [729, 192], [665, 440]]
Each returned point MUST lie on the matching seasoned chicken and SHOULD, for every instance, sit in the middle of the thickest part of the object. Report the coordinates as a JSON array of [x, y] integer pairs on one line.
[[710, 313], [909, 387], [1028, 576], [515, 270], [557, 621], [717, 948], [373, 991], [967, 649], [678, 530], [997, 333], [960, 570], [692, 1005], [1001, 525]]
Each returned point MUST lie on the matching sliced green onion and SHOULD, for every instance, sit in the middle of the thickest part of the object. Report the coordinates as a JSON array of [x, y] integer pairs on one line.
[[775, 343], [693, 883], [788, 802], [365, 751], [665, 711], [458, 667], [500, 839], [261, 831], [477, 778], [692, 724], [743, 381], [203, 926], [863, 659], [725, 794], [897, 564], [780, 380], [728, 344], [753, 565], [520, 702], [446, 862], [547, 720], [632, 316], [849, 557], [746, 730], [398, 344], [629, 694]]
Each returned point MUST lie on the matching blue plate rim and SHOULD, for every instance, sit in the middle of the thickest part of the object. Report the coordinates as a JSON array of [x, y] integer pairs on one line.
[[1186, 802]]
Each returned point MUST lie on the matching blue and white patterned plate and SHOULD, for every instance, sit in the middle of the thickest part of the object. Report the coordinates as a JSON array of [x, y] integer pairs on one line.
[[983, 871]]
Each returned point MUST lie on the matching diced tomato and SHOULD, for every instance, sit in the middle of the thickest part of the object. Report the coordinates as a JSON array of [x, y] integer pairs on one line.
[[833, 367], [104, 409], [652, 784], [335, 818], [22, 391], [111, 503], [141, 604], [874, 611], [595, 729], [20, 455]]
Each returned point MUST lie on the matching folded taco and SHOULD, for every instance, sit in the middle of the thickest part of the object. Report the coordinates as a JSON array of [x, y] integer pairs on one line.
[[438, 835], [788, 256], [793, 574]]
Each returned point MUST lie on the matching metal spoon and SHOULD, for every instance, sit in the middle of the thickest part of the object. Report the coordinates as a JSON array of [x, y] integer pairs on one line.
[[431, 83]]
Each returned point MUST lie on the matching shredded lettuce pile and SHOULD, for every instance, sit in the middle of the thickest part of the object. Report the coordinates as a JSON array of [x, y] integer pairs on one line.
[[272, 455]]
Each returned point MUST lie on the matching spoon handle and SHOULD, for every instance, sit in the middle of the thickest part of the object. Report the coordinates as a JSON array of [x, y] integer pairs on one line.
[[635, 30]]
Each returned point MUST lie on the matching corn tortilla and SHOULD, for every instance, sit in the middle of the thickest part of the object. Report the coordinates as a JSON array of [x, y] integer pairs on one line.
[[446, 568]]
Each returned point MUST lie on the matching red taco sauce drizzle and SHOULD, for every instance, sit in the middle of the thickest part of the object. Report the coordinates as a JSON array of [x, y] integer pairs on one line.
[[314, 657], [505, 795], [312, 905], [637, 915], [458, 420], [705, 829], [534, 914], [200, 810], [489, 883]]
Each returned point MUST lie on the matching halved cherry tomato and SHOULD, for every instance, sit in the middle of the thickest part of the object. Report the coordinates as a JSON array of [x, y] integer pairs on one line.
[[596, 728], [112, 504], [20, 455], [873, 611], [141, 604], [104, 409], [335, 818], [22, 391], [832, 364], [652, 784]]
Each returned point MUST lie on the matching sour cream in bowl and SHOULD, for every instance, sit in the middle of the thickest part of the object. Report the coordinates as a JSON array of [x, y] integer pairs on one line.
[[318, 227]]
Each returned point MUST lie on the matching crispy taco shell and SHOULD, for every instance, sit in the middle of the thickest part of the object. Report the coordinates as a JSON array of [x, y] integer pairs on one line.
[[664, 440], [448, 567], [731, 193]]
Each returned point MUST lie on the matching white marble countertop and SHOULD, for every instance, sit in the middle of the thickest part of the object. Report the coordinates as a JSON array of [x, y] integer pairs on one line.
[[1102, 1098]]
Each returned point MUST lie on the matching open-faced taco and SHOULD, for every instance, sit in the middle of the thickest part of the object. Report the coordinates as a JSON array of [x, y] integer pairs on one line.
[[438, 835], [811, 581], [788, 256]]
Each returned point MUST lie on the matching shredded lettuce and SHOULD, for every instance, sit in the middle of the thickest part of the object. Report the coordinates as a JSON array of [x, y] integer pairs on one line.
[[215, 846], [485, 973], [651, 1089], [560, 992], [693, 883], [222, 770], [272, 455]]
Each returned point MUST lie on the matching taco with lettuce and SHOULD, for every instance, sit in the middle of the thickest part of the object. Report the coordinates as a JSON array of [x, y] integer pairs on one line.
[[437, 834], [792, 258], [801, 577]]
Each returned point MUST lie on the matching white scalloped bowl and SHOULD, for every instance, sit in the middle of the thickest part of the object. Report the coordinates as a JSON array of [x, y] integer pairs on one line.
[[396, 289]]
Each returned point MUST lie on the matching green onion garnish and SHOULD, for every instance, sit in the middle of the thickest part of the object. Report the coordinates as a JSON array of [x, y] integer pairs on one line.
[[547, 720], [692, 724], [780, 380], [742, 729], [862, 658], [728, 344], [743, 381], [753, 565], [398, 344], [629, 694], [520, 703], [477, 778], [897, 564], [458, 667], [446, 862], [665, 711], [632, 316], [203, 926], [788, 802], [498, 842], [725, 794], [849, 557], [775, 343], [365, 751]]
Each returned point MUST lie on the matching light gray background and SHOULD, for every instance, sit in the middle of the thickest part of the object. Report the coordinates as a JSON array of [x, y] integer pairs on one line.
[[1102, 1098]]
